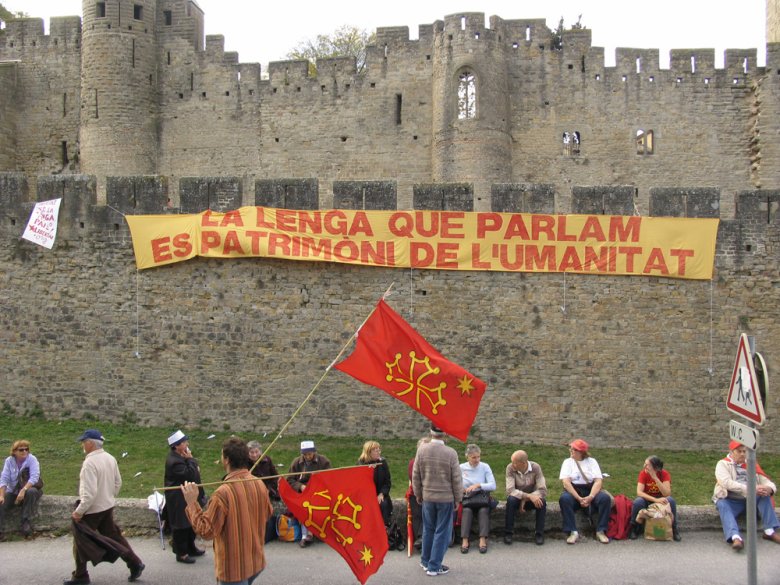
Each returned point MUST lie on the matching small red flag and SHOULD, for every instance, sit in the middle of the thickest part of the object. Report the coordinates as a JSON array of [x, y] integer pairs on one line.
[[392, 356], [340, 508]]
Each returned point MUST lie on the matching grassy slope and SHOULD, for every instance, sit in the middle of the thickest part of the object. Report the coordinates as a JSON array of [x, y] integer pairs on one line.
[[54, 443]]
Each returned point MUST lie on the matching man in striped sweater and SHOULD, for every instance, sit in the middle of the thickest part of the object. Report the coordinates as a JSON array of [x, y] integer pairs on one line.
[[235, 517], [438, 485]]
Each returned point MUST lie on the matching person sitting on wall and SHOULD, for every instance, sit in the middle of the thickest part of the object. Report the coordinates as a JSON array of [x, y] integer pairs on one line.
[[730, 496], [581, 477], [654, 486], [478, 482], [265, 469], [20, 485], [308, 461], [526, 489]]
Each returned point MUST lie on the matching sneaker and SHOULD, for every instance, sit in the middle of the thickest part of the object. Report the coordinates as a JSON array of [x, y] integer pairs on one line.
[[633, 532], [676, 535], [136, 571], [602, 538], [442, 571], [573, 537], [424, 568], [539, 538], [508, 539], [737, 544]]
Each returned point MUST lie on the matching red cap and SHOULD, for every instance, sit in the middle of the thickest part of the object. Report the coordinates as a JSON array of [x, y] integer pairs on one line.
[[734, 444], [579, 445]]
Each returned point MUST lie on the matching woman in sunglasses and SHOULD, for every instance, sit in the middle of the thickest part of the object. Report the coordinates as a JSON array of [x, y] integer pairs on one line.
[[20, 485]]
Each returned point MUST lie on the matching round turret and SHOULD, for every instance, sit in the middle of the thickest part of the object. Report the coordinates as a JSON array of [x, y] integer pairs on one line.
[[118, 133], [472, 142]]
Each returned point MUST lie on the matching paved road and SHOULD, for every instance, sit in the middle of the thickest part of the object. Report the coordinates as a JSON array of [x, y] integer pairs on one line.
[[702, 558]]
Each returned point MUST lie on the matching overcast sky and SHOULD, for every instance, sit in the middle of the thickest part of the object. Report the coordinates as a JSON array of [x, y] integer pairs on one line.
[[267, 31]]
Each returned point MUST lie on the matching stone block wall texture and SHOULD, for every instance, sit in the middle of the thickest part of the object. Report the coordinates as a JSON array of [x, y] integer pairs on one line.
[[138, 113], [606, 358]]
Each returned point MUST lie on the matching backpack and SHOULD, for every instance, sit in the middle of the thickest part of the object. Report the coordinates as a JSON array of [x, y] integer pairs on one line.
[[620, 518], [396, 539], [288, 529]]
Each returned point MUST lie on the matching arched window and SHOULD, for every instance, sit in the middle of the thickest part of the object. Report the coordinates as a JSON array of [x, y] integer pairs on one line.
[[467, 95], [571, 143]]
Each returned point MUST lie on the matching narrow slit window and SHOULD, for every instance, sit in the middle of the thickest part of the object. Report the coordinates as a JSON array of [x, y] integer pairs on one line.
[[133, 58], [645, 143], [64, 104], [168, 15], [693, 64], [462, 23], [571, 143], [639, 65], [96, 104], [467, 96], [745, 65], [65, 153], [398, 105], [527, 33]]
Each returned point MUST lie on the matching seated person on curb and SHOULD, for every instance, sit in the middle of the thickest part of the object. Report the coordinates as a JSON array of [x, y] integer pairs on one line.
[[731, 493], [526, 489], [581, 476], [308, 461], [265, 468], [477, 478], [654, 486], [19, 485]]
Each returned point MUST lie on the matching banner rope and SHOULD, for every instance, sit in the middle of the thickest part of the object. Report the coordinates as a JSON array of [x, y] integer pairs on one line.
[[317, 385], [253, 478]]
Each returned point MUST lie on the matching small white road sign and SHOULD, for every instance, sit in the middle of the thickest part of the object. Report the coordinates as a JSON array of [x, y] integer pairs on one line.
[[743, 434], [744, 398]]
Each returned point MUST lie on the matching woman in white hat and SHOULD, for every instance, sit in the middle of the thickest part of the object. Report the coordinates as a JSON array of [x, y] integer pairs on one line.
[[181, 466]]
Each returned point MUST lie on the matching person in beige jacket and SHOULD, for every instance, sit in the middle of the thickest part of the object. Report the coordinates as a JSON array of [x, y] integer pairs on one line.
[[99, 484], [731, 493]]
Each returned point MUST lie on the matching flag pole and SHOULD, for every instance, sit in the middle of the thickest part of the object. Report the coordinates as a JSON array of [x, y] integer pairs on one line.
[[253, 478], [314, 389]]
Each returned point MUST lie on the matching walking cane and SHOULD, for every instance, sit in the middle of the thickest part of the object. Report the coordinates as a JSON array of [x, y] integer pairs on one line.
[[409, 526]]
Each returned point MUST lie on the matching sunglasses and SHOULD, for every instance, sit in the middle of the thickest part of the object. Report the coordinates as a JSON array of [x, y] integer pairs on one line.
[[23, 449]]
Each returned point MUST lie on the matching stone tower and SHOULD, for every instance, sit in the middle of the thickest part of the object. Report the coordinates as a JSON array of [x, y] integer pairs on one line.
[[118, 133], [773, 21], [471, 138]]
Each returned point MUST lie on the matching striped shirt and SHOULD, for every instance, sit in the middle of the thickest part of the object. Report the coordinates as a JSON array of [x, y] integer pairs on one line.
[[235, 518]]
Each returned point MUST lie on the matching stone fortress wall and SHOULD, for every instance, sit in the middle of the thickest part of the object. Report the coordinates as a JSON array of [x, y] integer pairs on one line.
[[129, 111]]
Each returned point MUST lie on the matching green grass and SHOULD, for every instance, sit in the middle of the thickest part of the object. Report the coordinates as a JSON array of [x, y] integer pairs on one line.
[[54, 443]]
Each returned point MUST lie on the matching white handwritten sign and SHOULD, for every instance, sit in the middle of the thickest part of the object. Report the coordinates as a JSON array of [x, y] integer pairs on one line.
[[42, 227]]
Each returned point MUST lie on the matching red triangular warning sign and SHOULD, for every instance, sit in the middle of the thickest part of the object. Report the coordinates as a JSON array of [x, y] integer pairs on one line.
[[744, 398]]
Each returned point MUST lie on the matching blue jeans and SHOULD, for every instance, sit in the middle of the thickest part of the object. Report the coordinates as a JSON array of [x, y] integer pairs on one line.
[[641, 504], [437, 532], [600, 506], [247, 581], [731, 508]]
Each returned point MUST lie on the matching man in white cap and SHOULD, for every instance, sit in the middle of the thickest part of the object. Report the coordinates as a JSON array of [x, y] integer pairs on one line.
[[181, 466], [99, 484], [302, 466]]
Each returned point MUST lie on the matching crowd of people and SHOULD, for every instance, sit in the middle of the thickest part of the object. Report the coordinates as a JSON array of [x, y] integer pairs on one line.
[[443, 493]]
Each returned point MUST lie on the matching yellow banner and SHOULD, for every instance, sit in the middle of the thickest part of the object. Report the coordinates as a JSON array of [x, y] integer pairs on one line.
[[437, 240]]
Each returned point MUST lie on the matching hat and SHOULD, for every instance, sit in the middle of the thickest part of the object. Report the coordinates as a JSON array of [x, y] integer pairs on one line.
[[308, 447], [436, 430], [579, 445], [91, 434], [734, 445], [177, 438]]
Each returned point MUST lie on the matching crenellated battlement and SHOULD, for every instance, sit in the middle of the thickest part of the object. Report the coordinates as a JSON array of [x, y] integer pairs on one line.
[[26, 36]]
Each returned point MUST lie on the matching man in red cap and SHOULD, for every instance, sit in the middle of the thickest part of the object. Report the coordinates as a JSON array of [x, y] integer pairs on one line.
[[581, 477], [731, 493]]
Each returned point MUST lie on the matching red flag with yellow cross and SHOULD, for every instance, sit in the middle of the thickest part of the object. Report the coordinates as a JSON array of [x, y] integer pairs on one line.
[[392, 356], [340, 508]]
